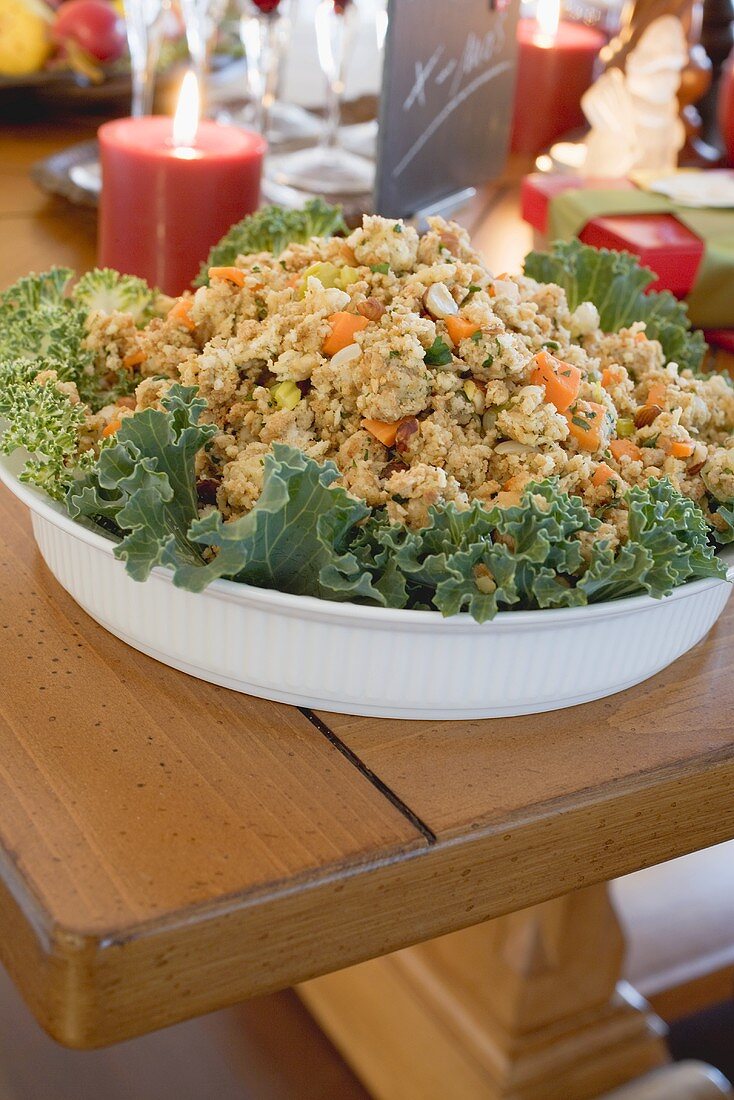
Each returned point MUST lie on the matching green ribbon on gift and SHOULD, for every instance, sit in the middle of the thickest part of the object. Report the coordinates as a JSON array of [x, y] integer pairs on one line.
[[711, 300]]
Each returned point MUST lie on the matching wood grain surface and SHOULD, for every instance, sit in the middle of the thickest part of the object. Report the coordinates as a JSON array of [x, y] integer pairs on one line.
[[37, 231], [460, 776], [168, 847]]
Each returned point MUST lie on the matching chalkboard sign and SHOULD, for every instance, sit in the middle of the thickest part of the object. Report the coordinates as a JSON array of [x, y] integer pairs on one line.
[[446, 103]]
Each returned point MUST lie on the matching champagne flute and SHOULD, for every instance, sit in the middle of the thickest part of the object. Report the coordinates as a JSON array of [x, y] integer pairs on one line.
[[201, 19], [265, 29], [328, 167], [144, 26], [264, 26], [361, 137]]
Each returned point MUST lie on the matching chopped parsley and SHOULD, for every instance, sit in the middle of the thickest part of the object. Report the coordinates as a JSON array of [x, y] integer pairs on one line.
[[552, 344], [438, 355], [380, 269], [476, 336], [397, 228]]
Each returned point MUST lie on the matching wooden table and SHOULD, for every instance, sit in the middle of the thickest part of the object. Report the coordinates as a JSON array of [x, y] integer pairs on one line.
[[168, 847]]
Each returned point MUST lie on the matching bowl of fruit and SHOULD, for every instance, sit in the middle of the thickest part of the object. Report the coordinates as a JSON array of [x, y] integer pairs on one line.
[[74, 55]]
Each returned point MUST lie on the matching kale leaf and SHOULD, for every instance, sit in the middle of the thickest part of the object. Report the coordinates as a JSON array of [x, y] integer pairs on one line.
[[615, 282], [144, 484], [295, 539], [41, 419], [307, 536]]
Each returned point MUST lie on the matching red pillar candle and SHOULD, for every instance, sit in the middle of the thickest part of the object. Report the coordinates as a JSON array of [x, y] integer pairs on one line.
[[163, 205], [554, 69], [726, 108]]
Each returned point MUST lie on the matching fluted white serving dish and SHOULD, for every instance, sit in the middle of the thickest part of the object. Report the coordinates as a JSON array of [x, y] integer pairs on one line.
[[370, 660]]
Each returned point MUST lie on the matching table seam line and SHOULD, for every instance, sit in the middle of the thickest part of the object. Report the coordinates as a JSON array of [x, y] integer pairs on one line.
[[371, 776]]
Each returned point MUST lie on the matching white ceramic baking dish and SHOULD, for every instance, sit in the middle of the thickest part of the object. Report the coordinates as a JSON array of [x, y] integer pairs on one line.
[[371, 660]]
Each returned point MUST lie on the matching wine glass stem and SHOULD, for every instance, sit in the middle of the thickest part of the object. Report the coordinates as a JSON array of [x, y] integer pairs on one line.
[[262, 37], [144, 41], [271, 31], [137, 107], [333, 114], [333, 38], [153, 53]]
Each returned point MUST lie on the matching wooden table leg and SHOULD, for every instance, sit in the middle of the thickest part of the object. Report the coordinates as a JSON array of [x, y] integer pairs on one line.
[[525, 1007]]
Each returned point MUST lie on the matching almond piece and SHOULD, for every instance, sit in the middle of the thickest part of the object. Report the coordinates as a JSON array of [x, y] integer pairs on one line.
[[371, 309], [646, 414], [350, 354], [407, 429], [450, 241], [439, 301], [394, 467]]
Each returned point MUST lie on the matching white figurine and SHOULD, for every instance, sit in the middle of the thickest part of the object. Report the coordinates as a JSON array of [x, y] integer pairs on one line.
[[634, 115], [612, 148]]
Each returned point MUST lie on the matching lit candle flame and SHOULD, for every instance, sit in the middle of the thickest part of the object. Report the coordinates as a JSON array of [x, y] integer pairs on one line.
[[548, 16], [186, 118]]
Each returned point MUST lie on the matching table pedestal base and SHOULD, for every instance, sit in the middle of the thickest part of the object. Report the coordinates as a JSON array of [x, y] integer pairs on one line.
[[525, 1007]]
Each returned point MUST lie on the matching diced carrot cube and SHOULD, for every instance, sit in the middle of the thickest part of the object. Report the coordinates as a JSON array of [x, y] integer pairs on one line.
[[181, 312], [677, 447], [602, 474], [622, 447], [383, 430], [344, 327], [657, 393], [585, 422], [231, 274], [561, 381], [112, 427], [133, 359], [460, 329], [611, 376]]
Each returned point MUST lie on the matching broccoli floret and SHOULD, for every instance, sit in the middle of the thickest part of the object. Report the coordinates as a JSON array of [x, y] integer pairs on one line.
[[106, 291]]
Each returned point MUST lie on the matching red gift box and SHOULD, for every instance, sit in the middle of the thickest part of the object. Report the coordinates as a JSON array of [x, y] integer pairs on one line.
[[661, 242]]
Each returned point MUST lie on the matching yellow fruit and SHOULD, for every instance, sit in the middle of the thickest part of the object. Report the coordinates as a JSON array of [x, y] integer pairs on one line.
[[25, 39]]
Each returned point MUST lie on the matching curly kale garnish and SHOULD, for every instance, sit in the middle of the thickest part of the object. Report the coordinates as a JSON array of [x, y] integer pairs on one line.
[[668, 544], [43, 329], [38, 320], [43, 420], [144, 483], [106, 291], [616, 283], [272, 229], [307, 536]]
